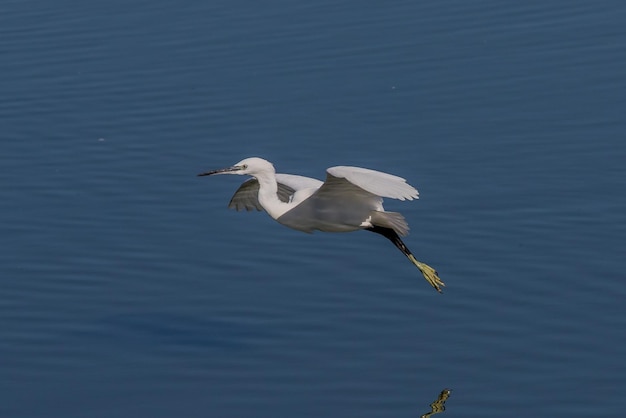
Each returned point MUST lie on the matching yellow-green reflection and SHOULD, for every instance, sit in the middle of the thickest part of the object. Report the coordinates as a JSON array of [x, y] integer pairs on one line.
[[439, 405]]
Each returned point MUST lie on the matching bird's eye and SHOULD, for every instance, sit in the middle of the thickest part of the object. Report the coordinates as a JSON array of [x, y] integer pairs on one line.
[[245, 166]]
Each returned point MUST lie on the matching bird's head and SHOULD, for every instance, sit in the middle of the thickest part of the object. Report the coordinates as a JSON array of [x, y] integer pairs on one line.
[[252, 166]]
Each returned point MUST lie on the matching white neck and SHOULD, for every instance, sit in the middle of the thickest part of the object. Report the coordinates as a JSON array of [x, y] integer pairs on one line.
[[268, 197]]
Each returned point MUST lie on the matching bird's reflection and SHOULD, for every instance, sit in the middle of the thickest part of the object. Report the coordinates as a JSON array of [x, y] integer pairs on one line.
[[439, 405]]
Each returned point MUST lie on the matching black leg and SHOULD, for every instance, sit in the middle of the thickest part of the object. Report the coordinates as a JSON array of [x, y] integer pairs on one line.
[[430, 274]]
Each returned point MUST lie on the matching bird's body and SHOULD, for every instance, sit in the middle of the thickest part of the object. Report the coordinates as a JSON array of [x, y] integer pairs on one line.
[[350, 199]]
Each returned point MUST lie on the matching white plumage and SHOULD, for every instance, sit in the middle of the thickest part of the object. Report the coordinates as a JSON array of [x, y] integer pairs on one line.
[[349, 199], [376, 182]]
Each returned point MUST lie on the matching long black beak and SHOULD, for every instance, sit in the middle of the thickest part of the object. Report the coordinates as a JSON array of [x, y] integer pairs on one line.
[[222, 171]]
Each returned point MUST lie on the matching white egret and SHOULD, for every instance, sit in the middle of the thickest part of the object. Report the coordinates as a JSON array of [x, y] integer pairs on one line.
[[349, 200]]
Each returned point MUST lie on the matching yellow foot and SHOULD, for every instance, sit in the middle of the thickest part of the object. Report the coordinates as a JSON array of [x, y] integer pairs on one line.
[[430, 274]]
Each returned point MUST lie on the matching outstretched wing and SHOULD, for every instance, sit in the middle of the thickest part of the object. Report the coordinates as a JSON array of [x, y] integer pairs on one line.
[[375, 182], [350, 199], [247, 196]]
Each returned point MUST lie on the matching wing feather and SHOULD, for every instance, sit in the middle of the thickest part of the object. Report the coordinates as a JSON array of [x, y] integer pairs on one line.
[[247, 195], [298, 182], [376, 182]]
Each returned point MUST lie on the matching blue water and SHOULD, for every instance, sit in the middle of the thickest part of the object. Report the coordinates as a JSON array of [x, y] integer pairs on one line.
[[129, 289]]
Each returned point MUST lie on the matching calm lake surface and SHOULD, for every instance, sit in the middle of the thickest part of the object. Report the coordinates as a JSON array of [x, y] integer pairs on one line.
[[128, 288]]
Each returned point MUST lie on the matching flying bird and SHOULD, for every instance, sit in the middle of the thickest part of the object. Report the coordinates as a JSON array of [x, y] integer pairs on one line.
[[350, 199]]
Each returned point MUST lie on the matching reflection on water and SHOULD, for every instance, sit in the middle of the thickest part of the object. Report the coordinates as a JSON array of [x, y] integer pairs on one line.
[[439, 405]]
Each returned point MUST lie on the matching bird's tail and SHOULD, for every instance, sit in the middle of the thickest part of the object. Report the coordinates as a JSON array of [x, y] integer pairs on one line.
[[430, 274]]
